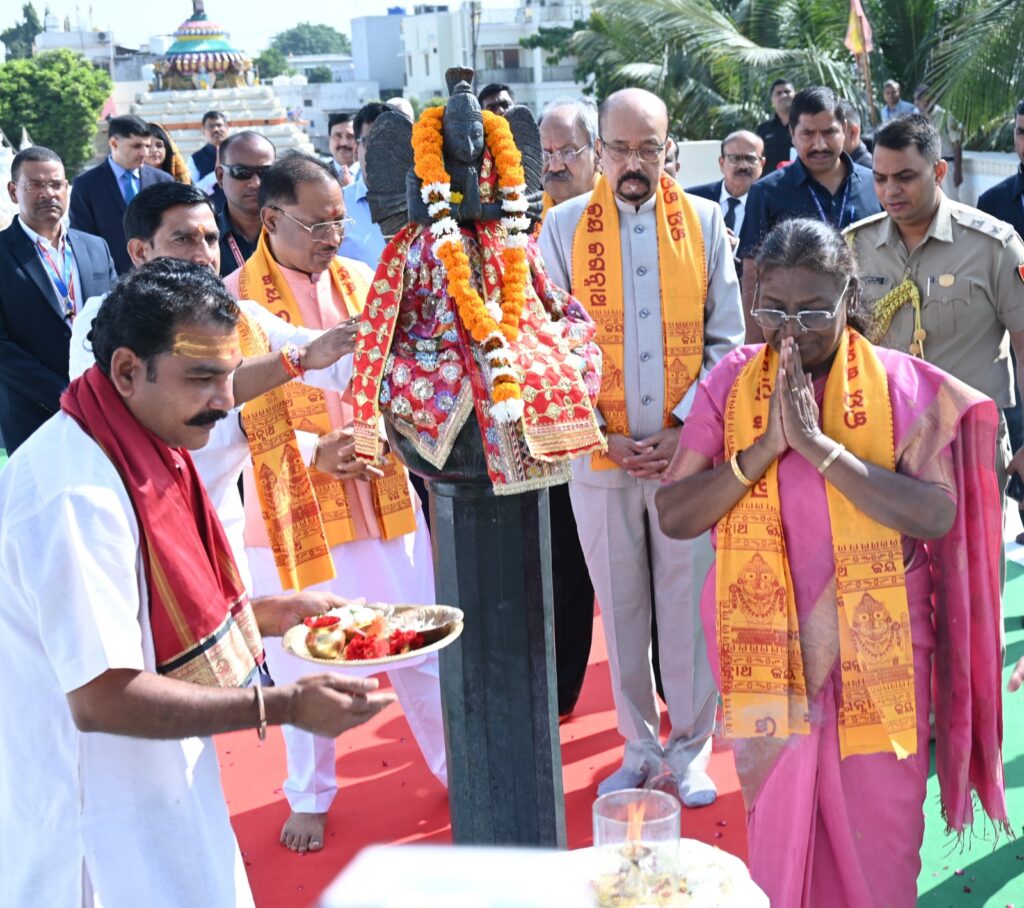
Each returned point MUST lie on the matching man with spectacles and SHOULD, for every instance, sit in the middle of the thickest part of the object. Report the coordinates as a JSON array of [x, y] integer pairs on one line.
[[568, 133], [823, 182], [363, 241], [654, 269], [48, 273], [244, 158], [741, 162], [361, 532]]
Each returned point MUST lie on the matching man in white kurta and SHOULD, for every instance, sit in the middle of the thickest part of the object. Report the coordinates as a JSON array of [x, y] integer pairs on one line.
[[396, 570], [632, 563], [91, 811], [130, 812]]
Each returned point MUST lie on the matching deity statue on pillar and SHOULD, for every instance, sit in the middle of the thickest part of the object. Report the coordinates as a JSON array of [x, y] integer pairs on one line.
[[466, 345]]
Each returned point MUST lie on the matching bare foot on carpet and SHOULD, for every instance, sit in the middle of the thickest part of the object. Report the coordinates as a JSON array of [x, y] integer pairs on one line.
[[304, 832]]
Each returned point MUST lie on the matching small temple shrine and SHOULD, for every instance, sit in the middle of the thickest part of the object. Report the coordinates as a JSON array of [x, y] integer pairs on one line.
[[203, 71], [202, 57]]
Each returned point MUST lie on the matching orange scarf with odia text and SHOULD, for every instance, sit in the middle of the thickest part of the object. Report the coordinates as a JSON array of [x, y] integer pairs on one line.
[[306, 511], [597, 283], [763, 684]]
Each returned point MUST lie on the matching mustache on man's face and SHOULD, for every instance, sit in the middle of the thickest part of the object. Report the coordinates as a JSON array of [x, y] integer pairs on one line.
[[556, 176], [638, 175], [207, 418]]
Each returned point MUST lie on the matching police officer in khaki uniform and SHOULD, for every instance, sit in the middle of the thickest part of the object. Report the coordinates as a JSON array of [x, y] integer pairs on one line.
[[940, 279]]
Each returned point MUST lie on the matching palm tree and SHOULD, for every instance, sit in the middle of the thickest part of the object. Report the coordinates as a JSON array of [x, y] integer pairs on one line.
[[977, 66], [713, 60]]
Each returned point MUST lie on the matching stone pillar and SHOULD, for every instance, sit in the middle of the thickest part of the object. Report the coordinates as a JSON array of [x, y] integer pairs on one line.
[[492, 559]]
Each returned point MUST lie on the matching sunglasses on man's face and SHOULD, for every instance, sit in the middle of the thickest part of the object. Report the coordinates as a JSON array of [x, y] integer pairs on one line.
[[245, 172]]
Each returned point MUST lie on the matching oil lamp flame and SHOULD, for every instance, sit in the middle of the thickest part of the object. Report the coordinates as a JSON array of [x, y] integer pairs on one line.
[[635, 811]]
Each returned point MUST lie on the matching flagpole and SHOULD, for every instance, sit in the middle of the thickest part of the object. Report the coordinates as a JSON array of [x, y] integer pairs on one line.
[[865, 65]]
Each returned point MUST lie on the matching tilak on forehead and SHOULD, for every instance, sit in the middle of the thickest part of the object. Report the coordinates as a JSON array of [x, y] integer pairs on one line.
[[203, 346]]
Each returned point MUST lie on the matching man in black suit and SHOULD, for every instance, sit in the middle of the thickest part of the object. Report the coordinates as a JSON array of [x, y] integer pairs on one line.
[[99, 196], [48, 273], [741, 162], [1005, 200]]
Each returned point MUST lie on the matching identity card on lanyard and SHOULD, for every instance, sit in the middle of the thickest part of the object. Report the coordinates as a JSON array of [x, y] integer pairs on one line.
[[63, 280], [842, 207]]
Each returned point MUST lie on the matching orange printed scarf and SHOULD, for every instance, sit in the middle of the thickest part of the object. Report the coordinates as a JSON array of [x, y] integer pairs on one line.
[[763, 684], [597, 283], [204, 629], [306, 512]]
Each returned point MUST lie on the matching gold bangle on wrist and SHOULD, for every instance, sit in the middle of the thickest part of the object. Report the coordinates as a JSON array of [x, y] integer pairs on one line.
[[261, 729], [832, 457], [734, 462]]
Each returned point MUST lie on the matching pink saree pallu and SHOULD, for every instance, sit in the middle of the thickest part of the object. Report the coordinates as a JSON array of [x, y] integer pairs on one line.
[[828, 830]]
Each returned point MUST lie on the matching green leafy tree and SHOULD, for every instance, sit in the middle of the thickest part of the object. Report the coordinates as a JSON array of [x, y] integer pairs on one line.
[[18, 38], [977, 68], [273, 63], [320, 74], [306, 38], [711, 60], [57, 96]]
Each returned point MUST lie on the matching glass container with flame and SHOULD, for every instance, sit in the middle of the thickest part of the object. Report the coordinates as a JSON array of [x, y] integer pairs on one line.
[[636, 843]]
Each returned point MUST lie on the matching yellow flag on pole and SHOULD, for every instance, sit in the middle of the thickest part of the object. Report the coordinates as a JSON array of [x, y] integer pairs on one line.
[[858, 31]]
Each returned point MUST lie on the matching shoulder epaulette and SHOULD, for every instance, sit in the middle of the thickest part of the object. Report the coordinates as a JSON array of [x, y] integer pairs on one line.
[[975, 219], [864, 222]]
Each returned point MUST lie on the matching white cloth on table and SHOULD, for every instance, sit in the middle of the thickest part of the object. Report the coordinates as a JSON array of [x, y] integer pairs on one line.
[[91, 819]]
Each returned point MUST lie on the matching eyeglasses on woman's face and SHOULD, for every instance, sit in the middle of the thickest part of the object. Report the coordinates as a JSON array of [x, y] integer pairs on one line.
[[806, 319]]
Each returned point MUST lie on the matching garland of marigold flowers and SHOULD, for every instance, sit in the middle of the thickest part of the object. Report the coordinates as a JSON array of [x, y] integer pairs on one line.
[[494, 329]]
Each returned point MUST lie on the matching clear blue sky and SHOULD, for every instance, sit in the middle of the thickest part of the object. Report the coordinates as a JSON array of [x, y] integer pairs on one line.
[[251, 25]]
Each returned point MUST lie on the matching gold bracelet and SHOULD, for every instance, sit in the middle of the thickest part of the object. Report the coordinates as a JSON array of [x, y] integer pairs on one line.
[[262, 728], [833, 455], [734, 462]]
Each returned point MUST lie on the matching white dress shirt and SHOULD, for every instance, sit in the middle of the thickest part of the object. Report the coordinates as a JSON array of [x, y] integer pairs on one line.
[[741, 209], [57, 254]]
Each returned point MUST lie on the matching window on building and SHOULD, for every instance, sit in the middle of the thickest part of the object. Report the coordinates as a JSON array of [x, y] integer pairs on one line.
[[501, 58], [426, 64], [307, 102]]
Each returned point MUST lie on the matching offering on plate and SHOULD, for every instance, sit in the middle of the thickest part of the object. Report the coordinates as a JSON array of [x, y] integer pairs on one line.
[[326, 637], [361, 632]]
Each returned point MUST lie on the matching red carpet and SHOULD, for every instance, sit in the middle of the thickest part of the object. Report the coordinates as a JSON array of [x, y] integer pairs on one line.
[[387, 795]]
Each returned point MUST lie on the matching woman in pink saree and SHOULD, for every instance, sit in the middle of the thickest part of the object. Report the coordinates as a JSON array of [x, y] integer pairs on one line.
[[808, 456]]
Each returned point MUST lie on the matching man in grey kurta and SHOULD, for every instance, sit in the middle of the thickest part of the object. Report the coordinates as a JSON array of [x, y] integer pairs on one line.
[[631, 562]]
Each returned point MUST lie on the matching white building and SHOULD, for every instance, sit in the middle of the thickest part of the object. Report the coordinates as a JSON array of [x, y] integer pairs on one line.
[[341, 65], [377, 51], [487, 40]]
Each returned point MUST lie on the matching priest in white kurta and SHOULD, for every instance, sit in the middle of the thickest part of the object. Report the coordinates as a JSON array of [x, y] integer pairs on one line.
[[83, 812]]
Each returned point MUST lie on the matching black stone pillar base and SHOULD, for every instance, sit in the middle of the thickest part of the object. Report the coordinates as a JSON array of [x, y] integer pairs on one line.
[[492, 559]]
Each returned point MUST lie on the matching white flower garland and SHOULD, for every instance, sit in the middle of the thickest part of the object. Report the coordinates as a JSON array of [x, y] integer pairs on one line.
[[445, 229]]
